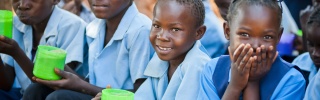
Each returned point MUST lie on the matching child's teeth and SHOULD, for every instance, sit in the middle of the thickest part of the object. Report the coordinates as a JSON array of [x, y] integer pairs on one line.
[[164, 48]]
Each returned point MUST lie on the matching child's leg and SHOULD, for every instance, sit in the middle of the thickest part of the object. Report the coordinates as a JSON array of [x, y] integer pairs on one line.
[[36, 91], [68, 95], [13, 94]]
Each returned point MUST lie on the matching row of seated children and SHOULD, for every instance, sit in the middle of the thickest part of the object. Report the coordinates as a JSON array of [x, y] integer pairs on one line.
[[119, 51], [42, 23]]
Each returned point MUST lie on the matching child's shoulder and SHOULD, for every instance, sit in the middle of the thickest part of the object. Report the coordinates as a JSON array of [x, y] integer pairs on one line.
[[139, 22], [291, 76], [304, 62], [211, 65], [195, 57]]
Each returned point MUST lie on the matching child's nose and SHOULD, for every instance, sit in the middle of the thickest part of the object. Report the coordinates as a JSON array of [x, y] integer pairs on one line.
[[255, 43], [163, 36], [24, 5]]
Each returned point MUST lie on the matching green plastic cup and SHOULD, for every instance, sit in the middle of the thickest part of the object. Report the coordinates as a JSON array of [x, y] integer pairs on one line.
[[48, 58], [116, 94], [6, 17]]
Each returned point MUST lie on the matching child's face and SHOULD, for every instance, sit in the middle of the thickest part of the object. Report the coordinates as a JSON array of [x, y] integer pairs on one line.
[[256, 25], [173, 31], [33, 11], [313, 43], [106, 9]]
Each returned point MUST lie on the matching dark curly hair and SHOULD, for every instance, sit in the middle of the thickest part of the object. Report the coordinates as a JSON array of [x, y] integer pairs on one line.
[[196, 7], [236, 4], [314, 17]]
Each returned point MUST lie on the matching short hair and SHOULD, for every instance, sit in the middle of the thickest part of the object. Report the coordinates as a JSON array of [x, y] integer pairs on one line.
[[314, 17], [236, 4], [196, 7]]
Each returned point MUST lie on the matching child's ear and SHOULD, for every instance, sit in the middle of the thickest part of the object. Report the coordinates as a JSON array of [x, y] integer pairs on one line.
[[280, 34], [226, 29], [55, 2], [200, 32]]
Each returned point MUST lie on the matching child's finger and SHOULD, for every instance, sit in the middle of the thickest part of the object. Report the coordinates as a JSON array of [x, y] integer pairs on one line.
[[5, 39], [245, 59], [258, 54], [240, 62], [62, 73], [99, 94], [237, 52], [254, 67], [48, 83], [248, 66], [231, 55], [108, 86], [263, 55], [270, 54], [3, 45], [275, 56]]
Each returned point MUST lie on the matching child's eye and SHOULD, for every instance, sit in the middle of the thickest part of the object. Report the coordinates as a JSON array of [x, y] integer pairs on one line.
[[268, 37], [175, 29], [156, 26], [244, 34]]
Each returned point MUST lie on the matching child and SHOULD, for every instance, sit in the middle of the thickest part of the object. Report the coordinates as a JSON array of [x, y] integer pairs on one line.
[[175, 68], [38, 23], [119, 50], [253, 29], [310, 61]]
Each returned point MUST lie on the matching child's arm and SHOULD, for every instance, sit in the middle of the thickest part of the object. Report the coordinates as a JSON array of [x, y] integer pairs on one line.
[[70, 81], [7, 75], [252, 91], [10, 47], [260, 67], [240, 68]]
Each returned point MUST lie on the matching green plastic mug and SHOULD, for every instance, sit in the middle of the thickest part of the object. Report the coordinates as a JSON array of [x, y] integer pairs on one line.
[[116, 94], [6, 17], [48, 58]]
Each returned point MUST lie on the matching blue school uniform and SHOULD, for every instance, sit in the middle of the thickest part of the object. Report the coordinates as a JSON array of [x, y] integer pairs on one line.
[[213, 39], [305, 63], [64, 30], [184, 84], [282, 82], [313, 89], [122, 61]]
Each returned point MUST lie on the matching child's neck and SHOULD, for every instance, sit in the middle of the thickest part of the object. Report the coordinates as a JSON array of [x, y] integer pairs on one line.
[[173, 65], [112, 25], [40, 27], [38, 30]]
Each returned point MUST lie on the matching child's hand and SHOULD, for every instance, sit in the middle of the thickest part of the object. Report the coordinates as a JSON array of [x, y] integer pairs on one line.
[[69, 81], [97, 97], [240, 66], [8, 46], [262, 62]]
